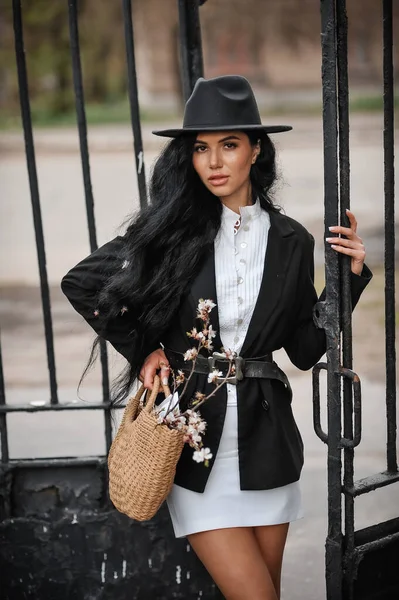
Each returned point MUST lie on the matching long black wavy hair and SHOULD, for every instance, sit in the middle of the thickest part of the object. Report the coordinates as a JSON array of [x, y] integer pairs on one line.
[[165, 244]]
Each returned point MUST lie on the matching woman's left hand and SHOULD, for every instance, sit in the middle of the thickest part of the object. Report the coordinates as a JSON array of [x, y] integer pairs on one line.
[[351, 245]]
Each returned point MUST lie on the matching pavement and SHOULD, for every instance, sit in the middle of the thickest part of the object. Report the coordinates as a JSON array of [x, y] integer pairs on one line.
[[299, 191]]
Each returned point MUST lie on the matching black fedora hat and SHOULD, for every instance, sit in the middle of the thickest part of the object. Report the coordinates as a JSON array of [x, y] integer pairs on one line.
[[221, 103]]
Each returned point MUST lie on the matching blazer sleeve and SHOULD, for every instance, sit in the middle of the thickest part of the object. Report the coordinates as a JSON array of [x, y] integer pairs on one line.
[[82, 284], [306, 343]]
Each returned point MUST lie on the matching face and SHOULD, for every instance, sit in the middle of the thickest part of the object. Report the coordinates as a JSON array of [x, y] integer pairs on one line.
[[223, 161]]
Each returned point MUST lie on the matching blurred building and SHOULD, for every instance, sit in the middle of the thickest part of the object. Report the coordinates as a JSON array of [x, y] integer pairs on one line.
[[275, 44]]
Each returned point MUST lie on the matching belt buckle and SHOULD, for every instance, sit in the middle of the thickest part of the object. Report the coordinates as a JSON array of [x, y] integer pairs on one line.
[[238, 363]]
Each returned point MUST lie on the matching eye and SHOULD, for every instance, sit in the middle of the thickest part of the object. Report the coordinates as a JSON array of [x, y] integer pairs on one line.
[[199, 148], [231, 145]]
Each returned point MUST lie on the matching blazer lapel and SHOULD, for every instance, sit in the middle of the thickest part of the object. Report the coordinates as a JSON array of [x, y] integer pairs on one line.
[[204, 286], [280, 246]]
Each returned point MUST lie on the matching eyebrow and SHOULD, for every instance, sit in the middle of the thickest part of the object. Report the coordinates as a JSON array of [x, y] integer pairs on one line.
[[229, 137]]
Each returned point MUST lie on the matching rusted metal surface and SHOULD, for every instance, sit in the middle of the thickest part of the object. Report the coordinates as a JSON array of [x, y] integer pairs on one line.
[[350, 573]]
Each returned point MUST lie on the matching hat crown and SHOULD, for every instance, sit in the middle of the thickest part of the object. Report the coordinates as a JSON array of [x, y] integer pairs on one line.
[[227, 101], [221, 104]]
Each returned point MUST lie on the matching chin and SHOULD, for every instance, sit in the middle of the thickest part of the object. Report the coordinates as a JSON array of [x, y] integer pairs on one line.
[[223, 191]]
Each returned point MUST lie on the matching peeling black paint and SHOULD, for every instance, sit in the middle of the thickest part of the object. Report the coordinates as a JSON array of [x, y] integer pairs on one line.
[[60, 540]]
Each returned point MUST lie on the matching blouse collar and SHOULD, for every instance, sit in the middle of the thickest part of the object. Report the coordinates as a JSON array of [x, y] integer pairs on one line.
[[229, 217]]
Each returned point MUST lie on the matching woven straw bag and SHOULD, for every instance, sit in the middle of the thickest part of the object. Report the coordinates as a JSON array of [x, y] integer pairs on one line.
[[142, 459]]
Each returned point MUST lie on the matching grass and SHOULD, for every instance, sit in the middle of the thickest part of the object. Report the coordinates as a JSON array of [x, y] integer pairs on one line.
[[119, 112], [96, 114]]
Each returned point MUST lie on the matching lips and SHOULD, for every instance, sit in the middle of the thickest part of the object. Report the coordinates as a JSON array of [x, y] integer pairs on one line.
[[218, 179]]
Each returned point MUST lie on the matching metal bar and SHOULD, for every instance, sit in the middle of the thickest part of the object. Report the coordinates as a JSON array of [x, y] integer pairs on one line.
[[375, 545], [332, 305], [81, 119], [31, 408], [84, 153], [389, 258], [34, 192], [371, 483], [354, 434], [107, 427], [134, 102], [37, 463], [354, 437], [3, 417], [105, 392], [346, 304], [316, 402], [192, 66]]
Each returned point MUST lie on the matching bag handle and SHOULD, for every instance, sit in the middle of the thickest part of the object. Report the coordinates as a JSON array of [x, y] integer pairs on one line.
[[132, 406], [149, 405], [130, 412]]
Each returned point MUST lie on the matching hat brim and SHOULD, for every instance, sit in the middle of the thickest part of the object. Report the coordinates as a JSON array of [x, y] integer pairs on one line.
[[266, 128]]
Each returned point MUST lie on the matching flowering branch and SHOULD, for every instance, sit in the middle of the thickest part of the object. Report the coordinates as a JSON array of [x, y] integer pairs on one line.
[[190, 421]]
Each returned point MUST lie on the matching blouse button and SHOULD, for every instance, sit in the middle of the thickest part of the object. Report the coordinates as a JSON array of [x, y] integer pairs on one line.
[[239, 322], [240, 280], [239, 300], [246, 228], [265, 404], [236, 339], [243, 244], [242, 261]]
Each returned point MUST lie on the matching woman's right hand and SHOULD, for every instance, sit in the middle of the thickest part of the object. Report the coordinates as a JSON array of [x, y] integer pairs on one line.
[[155, 361]]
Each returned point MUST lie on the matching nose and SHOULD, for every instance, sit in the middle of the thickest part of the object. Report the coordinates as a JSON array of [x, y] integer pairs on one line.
[[215, 161]]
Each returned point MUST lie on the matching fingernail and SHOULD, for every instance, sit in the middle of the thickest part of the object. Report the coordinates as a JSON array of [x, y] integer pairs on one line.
[[333, 228], [329, 239], [165, 381], [334, 246]]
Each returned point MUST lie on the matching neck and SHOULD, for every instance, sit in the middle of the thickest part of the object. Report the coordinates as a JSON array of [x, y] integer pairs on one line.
[[241, 197]]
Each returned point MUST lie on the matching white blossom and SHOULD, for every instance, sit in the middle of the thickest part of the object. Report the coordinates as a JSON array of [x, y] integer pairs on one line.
[[230, 354], [211, 333], [206, 305], [201, 426], [213, 376], [193, 416], [180, 377], [202, 455], [191, 354]]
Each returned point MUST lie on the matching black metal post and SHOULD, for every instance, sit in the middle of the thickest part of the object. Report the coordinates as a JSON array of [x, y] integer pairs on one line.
[[331, 315], [134, 101], [3, 417], [35, 197], [84, 154], [81, 119], [389, 259], [346, 304], [192, 66]]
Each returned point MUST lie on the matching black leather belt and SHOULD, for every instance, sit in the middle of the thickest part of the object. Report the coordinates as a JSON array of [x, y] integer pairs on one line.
[[244, 367]]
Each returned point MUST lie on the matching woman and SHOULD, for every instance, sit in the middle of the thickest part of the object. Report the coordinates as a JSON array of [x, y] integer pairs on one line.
[[212, 231]]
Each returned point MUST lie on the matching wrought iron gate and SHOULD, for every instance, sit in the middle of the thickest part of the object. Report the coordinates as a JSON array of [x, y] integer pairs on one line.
[[62, 504], [61, 537], [360, 565]]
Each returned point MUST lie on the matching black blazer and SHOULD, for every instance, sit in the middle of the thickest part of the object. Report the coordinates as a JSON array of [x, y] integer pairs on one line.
[[269, 443]]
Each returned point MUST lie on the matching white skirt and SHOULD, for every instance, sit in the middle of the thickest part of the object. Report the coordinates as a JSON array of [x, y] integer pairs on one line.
[[223, 504]]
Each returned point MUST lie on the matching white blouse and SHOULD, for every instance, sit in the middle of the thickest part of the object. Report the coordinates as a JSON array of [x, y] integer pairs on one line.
[[240, 248]]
